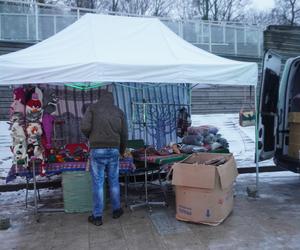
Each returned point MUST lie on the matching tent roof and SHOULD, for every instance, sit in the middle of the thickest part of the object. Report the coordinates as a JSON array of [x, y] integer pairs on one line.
[[120, 49]]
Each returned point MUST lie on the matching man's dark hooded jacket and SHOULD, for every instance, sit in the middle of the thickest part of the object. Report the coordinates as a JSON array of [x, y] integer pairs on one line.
[[105, 125]]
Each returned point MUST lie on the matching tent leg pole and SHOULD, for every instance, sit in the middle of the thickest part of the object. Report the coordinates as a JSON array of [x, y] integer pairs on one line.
[[190, 99], [253, 191], [256, 142]]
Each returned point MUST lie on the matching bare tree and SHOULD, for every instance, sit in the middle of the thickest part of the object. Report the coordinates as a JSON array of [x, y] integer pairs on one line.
[[160, 7], [114, 5], [89, 4], [288, 11], [183, 9], [263, 18], [139, 7], [203, 8], [220, 10]]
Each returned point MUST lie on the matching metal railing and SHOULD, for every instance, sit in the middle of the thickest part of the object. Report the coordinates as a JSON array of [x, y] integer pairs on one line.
[[32, 22]]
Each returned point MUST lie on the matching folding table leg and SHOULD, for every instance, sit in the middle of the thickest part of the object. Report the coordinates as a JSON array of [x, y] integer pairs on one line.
[[38, 192], [26, 194], [126, 189]]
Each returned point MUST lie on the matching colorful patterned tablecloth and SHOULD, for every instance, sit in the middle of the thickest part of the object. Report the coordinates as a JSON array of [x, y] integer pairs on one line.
[[126, 166]]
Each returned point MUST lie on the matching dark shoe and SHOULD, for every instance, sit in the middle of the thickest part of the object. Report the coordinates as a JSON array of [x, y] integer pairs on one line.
[[97, 221], [117, 213]]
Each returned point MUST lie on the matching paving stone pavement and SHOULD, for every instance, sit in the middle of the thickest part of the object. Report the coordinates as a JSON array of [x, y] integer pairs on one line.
[[269, 222]]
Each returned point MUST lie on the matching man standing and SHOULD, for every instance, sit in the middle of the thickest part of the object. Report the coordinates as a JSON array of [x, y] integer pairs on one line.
[[105, 126]]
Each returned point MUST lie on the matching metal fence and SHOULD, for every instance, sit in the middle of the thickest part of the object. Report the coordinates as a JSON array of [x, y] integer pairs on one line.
[[23, 21]]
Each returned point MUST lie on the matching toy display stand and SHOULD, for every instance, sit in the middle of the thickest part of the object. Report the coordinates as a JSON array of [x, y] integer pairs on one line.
[[37, 210], [146, 202]]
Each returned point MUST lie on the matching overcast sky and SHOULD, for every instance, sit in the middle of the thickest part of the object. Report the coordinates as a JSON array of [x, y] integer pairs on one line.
[[263, 4]]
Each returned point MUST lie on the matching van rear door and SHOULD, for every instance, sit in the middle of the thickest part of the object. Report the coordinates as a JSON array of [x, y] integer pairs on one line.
[[268, 102]]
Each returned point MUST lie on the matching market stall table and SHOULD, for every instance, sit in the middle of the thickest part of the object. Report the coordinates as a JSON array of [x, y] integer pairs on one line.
[[126, 167]]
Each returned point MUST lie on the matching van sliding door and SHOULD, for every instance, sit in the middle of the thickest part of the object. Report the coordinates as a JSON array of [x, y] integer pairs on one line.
[[269, 91]]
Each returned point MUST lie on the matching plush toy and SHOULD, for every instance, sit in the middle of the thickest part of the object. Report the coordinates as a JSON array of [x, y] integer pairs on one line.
[[51, 158], [33, 109], [43, 168], [33, 129], [127, 154], [68, 157], [47, 122], [86, 154], [39, 94], [29, 90], [20, 154], [60, 157], [78, 154], [34, 132], [19, 94], [81, 153], [50, 102], [18, 105], [38, 152], [16, 117], [17, 133], [183, 122], [175, 148], [30, 150]]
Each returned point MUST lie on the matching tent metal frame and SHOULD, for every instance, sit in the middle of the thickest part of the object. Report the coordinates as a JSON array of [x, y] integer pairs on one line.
[[146, 202]]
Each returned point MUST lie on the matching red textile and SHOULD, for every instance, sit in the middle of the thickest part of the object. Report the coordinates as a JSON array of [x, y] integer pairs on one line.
[[72, 147]]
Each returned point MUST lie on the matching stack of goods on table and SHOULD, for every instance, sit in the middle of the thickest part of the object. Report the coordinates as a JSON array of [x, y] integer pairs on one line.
[[198, 139], [76, 152], [166, 155], [204, 139]]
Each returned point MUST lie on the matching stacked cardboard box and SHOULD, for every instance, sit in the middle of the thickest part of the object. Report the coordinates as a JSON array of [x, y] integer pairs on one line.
[[204, 187], [294, 135]]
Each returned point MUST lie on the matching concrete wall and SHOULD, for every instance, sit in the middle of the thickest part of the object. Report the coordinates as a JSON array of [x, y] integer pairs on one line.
[[227, 99], [5, 91], [221, 100]]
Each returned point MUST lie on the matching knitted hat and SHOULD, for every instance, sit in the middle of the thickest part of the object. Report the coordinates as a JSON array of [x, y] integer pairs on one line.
[[19, 94], [34, 102]]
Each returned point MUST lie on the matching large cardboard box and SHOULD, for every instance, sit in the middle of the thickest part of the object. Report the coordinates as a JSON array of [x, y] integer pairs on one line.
[[294, 134], [204, 193]]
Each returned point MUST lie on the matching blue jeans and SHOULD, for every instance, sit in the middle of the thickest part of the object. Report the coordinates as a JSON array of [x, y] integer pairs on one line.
[[101, 159]]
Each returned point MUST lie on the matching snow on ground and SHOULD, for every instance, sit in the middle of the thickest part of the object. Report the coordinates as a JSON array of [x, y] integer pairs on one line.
[[5, 152], [241, 140]]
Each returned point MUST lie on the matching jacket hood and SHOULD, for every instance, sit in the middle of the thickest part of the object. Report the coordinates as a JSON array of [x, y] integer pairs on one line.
[[106, 99]]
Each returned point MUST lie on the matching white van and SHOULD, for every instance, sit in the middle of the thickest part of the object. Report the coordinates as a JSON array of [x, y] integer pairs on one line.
[[279, 95]]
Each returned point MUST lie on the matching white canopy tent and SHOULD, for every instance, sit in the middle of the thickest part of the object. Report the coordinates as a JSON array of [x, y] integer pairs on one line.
[[103, 48]]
